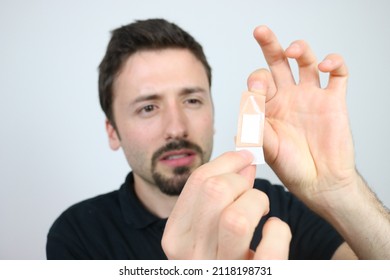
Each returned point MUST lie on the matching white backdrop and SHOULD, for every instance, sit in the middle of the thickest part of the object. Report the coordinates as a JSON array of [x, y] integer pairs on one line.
[[53, 147]]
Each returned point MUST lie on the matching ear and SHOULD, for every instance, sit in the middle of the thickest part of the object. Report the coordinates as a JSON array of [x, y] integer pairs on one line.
[[113, 138]]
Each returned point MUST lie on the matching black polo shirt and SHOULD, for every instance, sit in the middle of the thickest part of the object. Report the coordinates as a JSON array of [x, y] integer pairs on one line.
[[117, 226]]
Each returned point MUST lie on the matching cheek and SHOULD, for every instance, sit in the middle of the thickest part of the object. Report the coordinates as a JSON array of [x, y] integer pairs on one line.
[[206, 124], [138, 143], [204, 130], [141, 135], [207, 131], [138, 152]]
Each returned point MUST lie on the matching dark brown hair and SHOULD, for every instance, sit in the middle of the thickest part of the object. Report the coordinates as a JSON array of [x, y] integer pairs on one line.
[[151, 34]]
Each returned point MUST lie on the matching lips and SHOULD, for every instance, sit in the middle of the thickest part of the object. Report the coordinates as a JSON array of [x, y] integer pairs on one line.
[[178, 158]]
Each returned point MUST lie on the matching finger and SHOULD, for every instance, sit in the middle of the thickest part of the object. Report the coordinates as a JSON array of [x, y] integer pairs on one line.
[[216, 195], [205, 184], [275, 242], [249, 173], [261, 81], [307, 62], [274, 55], [196, 216], [263, 77], [238, 222], [219, 192], [338, 72], [206, 192], [225, 163]]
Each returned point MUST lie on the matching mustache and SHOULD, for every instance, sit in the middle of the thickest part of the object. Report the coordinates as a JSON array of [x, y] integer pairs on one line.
[[176, 145]]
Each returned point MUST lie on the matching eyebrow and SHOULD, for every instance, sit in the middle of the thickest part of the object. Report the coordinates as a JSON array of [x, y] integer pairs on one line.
[[146, 97], [156, 96], [189, 90]]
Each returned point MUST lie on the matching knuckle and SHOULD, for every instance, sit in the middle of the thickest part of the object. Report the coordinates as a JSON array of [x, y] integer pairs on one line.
[[340, 67], [235, 222], [302, 44], [285, 229], [262, 198], [215, 188], [169, 247], [198, 176], [175, 250], [336, 58], [279, 227]]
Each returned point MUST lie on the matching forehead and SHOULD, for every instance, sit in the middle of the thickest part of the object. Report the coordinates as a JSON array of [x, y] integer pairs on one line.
[[160, 69]]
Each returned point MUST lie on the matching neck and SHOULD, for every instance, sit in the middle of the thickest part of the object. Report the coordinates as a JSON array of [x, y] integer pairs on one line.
[[153, 199]]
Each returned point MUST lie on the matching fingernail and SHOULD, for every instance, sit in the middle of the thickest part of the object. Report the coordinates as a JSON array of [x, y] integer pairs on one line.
[[327, 62], [256, 86], [294, 47], [246, 154]]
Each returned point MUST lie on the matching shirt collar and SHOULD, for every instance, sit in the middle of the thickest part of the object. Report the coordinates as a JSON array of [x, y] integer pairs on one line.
[[132, 209]]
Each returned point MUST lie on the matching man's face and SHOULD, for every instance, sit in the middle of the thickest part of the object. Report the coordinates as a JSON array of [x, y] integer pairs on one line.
[[164, 117]]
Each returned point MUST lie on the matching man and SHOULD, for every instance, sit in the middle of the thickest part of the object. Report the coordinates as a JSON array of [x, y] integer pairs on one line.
[[154, 86]]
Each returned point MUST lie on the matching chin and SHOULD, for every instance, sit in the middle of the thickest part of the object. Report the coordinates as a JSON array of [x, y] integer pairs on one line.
[[173, 184]]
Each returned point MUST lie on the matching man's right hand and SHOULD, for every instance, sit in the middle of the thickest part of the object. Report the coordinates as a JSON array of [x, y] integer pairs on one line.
[[217, 212]]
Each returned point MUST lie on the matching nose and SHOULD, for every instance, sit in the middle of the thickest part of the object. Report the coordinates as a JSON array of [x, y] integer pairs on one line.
[[176, 123]]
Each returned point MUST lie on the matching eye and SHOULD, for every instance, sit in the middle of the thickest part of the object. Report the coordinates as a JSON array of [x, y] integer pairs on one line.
[[194, 102], [148, 108]]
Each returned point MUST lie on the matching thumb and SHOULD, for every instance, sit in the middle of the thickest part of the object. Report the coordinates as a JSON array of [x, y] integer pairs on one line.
[[249, 172]]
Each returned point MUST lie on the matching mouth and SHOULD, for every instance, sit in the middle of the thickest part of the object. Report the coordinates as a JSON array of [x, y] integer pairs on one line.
[[178, 158]]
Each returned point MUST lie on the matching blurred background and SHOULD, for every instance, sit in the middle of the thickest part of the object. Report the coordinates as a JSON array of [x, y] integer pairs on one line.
[[53, 148]]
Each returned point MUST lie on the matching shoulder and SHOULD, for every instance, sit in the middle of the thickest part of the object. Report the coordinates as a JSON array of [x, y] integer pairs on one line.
[[75, 233], [95, 203], [88, 211]]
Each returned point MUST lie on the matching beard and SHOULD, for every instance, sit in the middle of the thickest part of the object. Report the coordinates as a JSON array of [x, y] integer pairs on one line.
[[173, 185]]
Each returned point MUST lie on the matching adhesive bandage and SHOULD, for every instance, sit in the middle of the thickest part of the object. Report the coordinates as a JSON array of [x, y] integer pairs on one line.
[[251, 125]]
